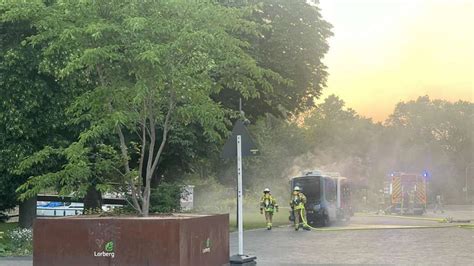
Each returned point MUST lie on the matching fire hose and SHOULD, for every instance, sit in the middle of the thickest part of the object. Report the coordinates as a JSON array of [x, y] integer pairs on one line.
[[305, 223], [302, 216]]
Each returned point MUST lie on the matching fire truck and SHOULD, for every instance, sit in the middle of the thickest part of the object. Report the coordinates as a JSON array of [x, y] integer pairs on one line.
[[407, 193]]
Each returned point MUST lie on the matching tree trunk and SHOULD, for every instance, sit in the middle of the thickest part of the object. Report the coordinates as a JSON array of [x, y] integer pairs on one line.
[[92, 200], [27, 213]]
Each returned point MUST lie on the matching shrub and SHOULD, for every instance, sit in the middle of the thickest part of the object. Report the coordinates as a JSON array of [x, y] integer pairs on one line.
[[18, 242], [166, 198]]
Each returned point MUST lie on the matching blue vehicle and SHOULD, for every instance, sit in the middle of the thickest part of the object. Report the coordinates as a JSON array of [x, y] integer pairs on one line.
[[320, 190]]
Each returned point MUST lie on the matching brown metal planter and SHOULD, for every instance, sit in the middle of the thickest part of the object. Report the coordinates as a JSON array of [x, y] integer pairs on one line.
[[158, 240]]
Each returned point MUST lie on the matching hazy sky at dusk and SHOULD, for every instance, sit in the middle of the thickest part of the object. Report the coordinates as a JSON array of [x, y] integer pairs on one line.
[[386, 51]]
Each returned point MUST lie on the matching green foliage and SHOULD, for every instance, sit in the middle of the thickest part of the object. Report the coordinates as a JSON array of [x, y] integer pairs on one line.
[[93, 211], [279, 142], [165, 198], [292, 42], [84, 166], [32, 105], [154, 67], [17, 242]]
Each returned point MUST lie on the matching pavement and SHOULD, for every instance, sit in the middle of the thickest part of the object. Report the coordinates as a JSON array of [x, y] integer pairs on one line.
[[16, 261], [366, 239], [435, 246]]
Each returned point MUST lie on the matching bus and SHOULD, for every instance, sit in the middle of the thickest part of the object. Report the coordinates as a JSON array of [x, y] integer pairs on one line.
[[328, 197]]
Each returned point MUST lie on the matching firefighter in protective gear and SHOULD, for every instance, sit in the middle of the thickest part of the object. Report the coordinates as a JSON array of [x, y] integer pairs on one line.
[[268, 205], [298, 200]]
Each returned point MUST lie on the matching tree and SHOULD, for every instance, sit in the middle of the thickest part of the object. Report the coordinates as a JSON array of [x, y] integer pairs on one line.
[[292, 43], [156, 66], [31, 108]]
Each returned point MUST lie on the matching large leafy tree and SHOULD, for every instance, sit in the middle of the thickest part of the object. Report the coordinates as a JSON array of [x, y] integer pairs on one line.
[[292, 42], [32, 107], [156, 67]]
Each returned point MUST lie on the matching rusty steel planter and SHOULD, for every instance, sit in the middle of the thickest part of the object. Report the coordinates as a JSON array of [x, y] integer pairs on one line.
[[159, 240]]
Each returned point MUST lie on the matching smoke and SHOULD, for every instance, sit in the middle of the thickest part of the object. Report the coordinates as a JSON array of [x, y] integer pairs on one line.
[[364, 152], [431, 136]]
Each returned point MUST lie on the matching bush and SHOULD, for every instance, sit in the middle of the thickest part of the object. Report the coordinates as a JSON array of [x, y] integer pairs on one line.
[[17, 242], [166, 198]]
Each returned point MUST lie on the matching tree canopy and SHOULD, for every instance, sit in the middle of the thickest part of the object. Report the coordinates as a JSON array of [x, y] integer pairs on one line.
[[292, 42], [111, 96], [155, 67], [31, 107]]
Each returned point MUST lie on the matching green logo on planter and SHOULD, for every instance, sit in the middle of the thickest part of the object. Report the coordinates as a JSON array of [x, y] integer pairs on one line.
[[207, 246], [109, 247], [108, 250]]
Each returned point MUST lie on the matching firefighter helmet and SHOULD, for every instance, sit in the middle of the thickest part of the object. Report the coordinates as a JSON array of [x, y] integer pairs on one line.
[[266, 190], [296, 188]]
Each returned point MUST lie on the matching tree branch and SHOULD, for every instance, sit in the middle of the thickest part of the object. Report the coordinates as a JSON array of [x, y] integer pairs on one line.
[[165, 134], [123, 148], [130, 203], [151, 151], [142, 157]]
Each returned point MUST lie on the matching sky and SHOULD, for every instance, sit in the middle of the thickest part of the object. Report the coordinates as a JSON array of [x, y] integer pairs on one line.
[[387, 51]]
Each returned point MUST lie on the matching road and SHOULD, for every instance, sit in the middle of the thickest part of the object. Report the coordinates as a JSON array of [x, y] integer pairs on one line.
[[448, 245]]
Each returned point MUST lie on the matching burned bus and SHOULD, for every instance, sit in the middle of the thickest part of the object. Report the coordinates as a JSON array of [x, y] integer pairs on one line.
[[320, 192], [328, 197]]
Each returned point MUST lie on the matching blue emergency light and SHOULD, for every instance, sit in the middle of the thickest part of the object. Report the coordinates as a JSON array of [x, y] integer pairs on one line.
[[426, 174]]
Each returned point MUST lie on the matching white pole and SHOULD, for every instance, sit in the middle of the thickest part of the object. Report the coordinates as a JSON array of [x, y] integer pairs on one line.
[[239, 195]]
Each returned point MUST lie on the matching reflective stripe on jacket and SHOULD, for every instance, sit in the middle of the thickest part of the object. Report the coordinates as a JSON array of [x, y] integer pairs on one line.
[[267, 202]]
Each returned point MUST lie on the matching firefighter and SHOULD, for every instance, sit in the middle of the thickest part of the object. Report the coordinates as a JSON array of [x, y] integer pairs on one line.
[[298, 200], [269, 205]]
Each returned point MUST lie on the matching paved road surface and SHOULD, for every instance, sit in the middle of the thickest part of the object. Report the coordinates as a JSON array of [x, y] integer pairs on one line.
[[283, 246], [427, 246]]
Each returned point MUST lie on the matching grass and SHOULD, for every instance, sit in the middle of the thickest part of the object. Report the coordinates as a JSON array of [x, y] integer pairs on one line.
[[253, 220], [5, 227]]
